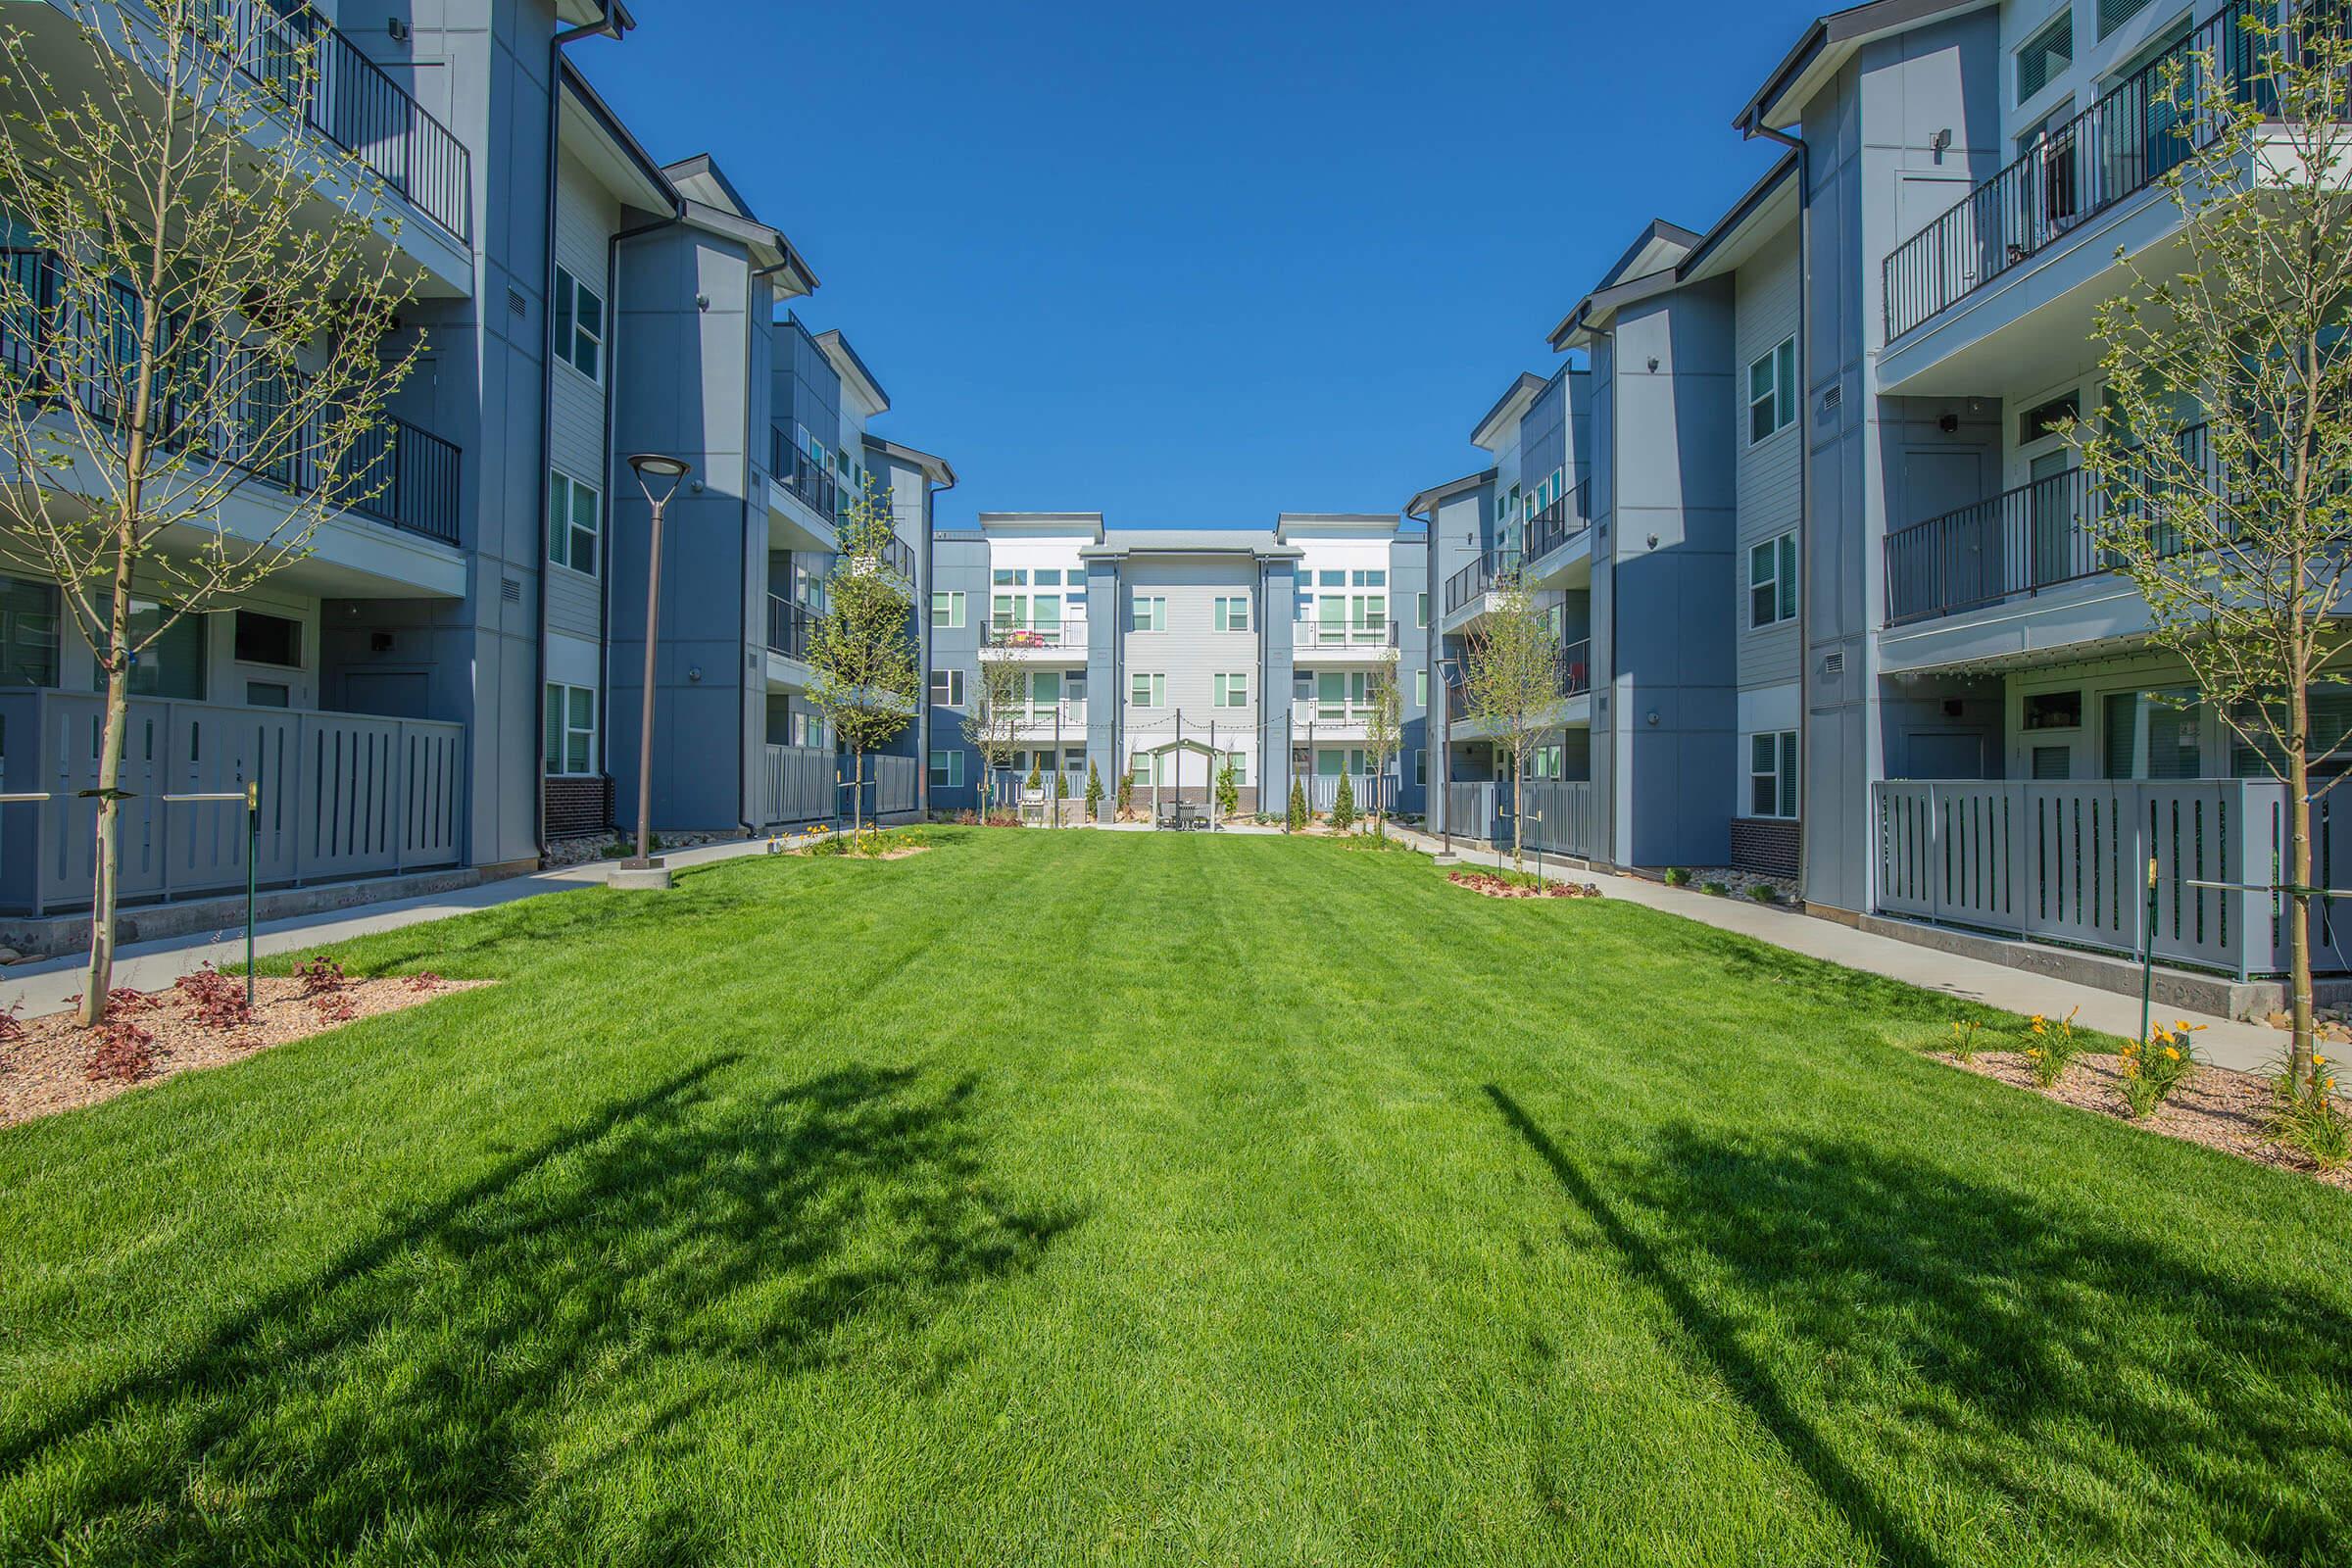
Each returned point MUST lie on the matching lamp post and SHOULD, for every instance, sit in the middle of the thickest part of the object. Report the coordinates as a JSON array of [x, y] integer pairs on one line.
[[654, 471], [1450, 670]]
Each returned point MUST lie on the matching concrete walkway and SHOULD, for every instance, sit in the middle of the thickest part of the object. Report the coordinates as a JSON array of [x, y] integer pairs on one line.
[[45, 984], [2247, 1047]]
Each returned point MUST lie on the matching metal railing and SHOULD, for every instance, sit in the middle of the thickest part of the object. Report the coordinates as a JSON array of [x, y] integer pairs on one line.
[[1574, 678], [342, 794], [2120, 145], [1473, 580], [1349, 713], [806, 477], [1070, 714], [1329, 634], [395, 472], [1070, 633], [1564, 519], [2024, 540], [300, 59], [790, 625]]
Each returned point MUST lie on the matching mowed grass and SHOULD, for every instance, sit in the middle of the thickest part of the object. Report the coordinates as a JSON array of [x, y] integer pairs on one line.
[[1061, 1197]]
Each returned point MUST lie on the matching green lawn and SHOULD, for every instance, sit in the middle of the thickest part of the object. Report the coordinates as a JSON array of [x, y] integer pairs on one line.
[[1088, 1198]]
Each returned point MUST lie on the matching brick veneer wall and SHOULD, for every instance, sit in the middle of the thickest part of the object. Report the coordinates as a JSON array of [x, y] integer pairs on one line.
[[1766, 846], [578, 807]]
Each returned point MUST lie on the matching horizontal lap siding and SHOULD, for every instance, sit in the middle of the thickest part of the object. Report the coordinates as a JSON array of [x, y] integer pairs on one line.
[[586, 218], [1769, 497]]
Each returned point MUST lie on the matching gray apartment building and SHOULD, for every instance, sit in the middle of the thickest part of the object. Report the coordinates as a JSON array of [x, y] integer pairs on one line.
[[1258, 646], [451, 679]]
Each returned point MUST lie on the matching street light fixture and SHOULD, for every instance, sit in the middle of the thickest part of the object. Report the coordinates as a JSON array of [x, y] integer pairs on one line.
[[657, 475], [1450, 676]]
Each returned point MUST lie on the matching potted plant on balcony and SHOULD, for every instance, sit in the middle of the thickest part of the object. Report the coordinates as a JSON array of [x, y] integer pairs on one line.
[[146, 304]]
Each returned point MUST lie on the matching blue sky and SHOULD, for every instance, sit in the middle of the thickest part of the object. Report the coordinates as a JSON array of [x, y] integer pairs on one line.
[[1203, 264]]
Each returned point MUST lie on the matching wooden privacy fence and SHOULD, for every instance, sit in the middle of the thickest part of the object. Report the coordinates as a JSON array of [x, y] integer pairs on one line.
[[2067, 862], [342, 794]]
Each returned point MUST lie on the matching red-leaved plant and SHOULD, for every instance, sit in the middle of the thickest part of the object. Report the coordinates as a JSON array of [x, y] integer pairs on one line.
[[124, 1053], [319, 977], [426, 980], [334, 1008], [214, 1001]]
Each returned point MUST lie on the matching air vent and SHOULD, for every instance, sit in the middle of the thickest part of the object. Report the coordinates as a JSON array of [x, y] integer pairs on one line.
[[1834, 663], [515, 300], [1832, 398], [509, 590]]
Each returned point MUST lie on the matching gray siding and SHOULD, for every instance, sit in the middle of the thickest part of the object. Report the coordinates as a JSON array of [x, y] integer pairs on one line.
[[1769, 470]]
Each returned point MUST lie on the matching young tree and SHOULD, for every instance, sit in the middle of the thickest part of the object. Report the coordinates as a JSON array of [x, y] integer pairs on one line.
[[862, 648], [1126, 805], [1297, 820], [1511, 683], [190, 303], [2236, 528], [1094, 790], [1229, 790], [1343, 805], [993, 724], [1384, 730], [1037, 776]]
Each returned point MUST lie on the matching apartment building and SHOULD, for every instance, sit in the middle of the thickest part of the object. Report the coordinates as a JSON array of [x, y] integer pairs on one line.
[[451, 677], [1164, 654], [1832, 557]]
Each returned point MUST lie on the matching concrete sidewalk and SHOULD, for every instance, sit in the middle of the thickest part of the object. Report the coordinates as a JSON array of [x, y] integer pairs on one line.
[[2247, 1047], [45, 985]]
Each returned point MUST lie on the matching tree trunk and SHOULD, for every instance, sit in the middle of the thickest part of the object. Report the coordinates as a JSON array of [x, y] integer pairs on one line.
[[2298, 842], [1518, 816], [100, 976]]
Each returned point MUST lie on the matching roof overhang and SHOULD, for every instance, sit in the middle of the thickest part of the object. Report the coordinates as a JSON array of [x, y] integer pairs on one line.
[[1507, 408], [1653, 253], [1826, 46], [593, 134], [936, 468], [852, 368], [1769, 207], [1041, 523], [1334, 524], [1419, 507]]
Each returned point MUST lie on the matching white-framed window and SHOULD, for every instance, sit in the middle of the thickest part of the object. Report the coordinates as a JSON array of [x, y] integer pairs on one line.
[[570, 730], [1771, 392], [1233, 614], [947, 769], [580, 326], [1048, 577], [2043, 57], [1421, 611], [1771, 775], [1150, 613], [1372, 577], [1241, 767], [947, 608], [1149, 689], [1420, 767], [1009, 577], [1148, 768], [1772, 582], [1231, 691], [575, 522], [1420, 688], [947, 688]]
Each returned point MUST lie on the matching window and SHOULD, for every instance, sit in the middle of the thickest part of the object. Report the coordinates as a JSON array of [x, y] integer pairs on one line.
[[2113, 14], [1772, 582], [1420, 767], [1240, 768], [268, 640], [2053, 762], [1420, 688], [1374, 578], [1148, 769], [947, 608], [580, 326], [2045, 56], [575, 522], [1421, 611], [2052, 710], [947, 688], [171, 664], [2048, 124], [1048, 577], [1233, 615], [2154, 734], [1333, 579], [269, 693], [27, 633], [570, 729], [1231, 691], [1150, 613], [1149, 691], [2048, 418], [1771, 392], [1003, 577], [947, 769], [1771, 775]]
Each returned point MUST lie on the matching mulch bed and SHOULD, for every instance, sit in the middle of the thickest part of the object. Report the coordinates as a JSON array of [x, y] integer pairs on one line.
[[2217, 1106], [1497, 887], [898, 854], [48, 1067]]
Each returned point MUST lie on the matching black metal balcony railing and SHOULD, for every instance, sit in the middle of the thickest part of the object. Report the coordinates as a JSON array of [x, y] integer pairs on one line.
[[1308, 635], [1575, 678], [2019, 542], [395, 472], [1479, 576], [1569, 516], [789, 626], [2127, 139], [305, 63], [1023, 635], [802, 475]]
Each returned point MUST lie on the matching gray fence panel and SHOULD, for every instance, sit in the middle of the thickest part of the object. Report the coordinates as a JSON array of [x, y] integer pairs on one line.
[[797, 784]]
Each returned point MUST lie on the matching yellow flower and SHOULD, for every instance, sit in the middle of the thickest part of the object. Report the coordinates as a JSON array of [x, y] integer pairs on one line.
[[2319, 1062], [2171, 1053]]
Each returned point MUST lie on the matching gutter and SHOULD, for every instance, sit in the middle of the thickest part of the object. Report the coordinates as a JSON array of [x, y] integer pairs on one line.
[[1753, 126]]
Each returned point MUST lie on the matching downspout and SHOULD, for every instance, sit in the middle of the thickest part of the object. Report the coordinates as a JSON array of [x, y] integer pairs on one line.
[[1804, 492], [1616, 713], [610, 22]]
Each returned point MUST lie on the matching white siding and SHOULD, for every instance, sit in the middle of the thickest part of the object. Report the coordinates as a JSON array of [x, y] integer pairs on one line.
[[1768, 499], [586, 218], [1191, 652]]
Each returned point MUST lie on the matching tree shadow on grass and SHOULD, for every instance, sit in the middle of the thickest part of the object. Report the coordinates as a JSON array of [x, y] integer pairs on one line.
[[455, 1385], [1899, 1327]]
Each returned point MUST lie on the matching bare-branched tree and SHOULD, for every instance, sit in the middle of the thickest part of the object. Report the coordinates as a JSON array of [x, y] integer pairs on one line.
[[1511, 683]]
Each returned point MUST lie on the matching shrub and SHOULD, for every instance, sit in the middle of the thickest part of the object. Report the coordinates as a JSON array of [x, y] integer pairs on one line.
[[319, 977], [1094, 790], [1037, 776], [2312, 1122], [1298, 818], [334, 1006], [2149, 1073], [1715, 889], [1343, 805], [213, 999], [124, 1053], [1061, 785], [1229, 793], [12, 1029], [2050, 1053], [1126, 805], [1964, 1039], [1677, 877], [1764, 893]]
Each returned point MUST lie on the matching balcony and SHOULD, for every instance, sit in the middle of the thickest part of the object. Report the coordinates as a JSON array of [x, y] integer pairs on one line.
[[808, 481], [1335, 717], [1326, 639], [1473, 581], [1047, 637], [2116, 148], [1574, 679], [396, 473], [789, 625], [342, 794], [2015, 545], [1566, 518], [1066, 718]]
